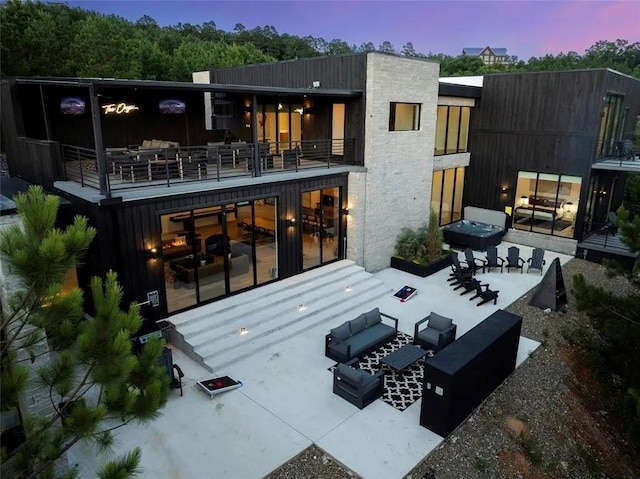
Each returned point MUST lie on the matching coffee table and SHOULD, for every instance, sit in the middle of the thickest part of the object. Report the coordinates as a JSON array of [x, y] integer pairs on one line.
[[403, 357]]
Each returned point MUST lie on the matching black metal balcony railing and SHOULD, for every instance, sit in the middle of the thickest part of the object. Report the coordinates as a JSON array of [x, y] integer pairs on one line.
[[127, 168]]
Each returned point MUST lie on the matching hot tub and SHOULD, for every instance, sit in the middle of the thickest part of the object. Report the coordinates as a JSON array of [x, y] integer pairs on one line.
[[475, 235]]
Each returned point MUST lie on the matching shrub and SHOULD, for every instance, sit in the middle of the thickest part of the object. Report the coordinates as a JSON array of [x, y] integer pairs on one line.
[[421, 245]]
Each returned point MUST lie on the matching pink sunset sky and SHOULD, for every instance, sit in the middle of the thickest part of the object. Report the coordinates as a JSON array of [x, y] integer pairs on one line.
[[525, 28]]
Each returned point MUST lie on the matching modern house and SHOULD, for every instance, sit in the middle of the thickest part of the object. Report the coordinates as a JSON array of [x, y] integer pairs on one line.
[[254, 174], [204, 190], [490, 55]]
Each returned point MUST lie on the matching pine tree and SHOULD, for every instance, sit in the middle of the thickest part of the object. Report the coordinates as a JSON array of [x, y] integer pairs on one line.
[[86, 368]]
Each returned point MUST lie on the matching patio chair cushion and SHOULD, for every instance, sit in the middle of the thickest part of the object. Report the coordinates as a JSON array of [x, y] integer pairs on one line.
[[358, 324], [353, 374], [430, 335], [373, 317], [439, 322], [341, 332], [365, 338]]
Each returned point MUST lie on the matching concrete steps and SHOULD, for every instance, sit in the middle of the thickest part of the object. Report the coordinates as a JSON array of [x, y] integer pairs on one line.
[[272, 313]]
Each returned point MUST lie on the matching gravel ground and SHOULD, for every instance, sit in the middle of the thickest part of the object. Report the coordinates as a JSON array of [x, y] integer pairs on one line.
[[546, 421]]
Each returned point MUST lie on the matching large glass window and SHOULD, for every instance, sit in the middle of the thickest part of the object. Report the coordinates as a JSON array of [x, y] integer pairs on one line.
[[320, 226], [546, 203], [452, 129], [404, 116], [446, 194], [211, 252], [611, 125]]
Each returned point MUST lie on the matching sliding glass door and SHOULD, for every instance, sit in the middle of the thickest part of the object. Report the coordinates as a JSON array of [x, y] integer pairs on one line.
[[211, 252], [320, 226]]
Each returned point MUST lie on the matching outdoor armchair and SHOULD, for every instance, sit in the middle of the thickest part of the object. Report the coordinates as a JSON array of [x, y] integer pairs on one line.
[[173, 370], [440, 331], [513, 259], [493, 260], [537, 260], [458, 272], [355, 385], [486, 295], [473, 263]]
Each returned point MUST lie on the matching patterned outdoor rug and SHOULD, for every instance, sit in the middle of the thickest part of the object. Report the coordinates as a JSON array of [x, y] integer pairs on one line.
[[401, 389]]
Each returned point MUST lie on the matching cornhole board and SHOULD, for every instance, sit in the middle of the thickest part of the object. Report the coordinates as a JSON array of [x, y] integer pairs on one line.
[[405, 293], [218, 385]]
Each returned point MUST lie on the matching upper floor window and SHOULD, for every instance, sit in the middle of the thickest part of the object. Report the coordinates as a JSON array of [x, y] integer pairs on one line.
[[404, 116], [611, 124], [452, 129]]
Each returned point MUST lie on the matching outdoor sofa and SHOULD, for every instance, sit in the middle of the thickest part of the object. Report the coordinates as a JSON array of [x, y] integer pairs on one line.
[[359, 336]]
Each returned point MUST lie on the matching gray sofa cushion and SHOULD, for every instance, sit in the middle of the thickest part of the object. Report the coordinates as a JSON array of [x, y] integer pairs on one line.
[[366, 338], [339, 347], [439, 322], [342, 332], [373, 317], [358, 324]]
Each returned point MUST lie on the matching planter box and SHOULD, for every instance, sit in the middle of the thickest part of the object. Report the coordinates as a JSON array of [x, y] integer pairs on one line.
[[422, 270]]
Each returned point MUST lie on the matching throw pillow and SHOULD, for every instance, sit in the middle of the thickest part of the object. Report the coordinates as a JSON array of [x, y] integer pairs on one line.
[[373, 317], [358, 324], [439, 322], [342, 332]]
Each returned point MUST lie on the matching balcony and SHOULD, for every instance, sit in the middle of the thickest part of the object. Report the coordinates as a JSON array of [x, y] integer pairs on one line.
[[130, 168]]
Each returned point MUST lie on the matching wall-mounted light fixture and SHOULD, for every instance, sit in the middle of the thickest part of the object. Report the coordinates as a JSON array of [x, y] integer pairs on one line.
[[243, 331], [504, 190], [299, 110], [152, 253], [345, 211], [291, 221]]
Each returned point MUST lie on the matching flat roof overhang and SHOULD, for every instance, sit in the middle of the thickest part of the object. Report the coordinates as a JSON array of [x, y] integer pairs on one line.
[[456, 90], [98, 83]]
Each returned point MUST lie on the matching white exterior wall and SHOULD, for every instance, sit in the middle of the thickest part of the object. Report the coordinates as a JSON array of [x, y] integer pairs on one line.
[[205, 77], [399, 163], [356, 219]]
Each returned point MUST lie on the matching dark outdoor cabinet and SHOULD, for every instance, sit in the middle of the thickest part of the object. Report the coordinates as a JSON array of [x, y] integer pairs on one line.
[[463, 374]]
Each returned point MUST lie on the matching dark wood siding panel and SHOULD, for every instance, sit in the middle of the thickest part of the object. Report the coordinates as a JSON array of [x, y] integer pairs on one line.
[[543, 102], [541, 122], [346, 71], [137, 228]]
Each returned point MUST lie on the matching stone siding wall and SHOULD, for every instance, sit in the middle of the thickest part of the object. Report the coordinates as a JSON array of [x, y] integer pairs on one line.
[[399, 163]]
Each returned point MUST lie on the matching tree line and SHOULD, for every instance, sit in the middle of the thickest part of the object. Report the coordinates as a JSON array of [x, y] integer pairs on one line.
[[53, 39]]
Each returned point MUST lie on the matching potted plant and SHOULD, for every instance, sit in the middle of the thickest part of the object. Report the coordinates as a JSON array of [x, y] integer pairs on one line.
[[420, 251]]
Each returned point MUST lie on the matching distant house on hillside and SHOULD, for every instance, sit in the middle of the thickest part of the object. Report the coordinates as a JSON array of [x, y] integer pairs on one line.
[[490, 55]]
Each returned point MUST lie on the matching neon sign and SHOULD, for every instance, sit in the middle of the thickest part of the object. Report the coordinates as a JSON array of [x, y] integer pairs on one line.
[[118, 108]]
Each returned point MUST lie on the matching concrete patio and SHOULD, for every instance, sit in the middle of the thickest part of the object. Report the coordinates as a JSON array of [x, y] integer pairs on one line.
[[286, 402]]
